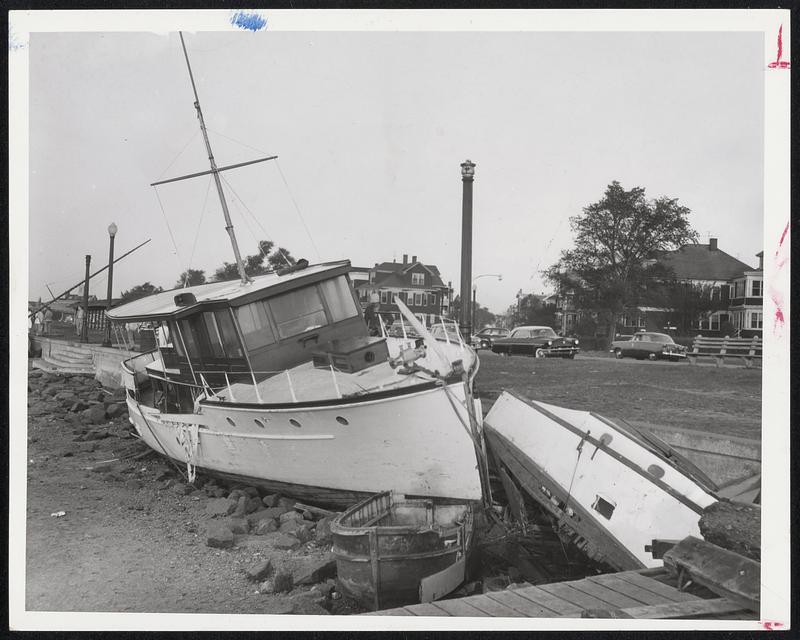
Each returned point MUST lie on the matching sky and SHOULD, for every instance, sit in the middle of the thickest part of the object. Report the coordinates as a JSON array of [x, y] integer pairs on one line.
[[370, 129]]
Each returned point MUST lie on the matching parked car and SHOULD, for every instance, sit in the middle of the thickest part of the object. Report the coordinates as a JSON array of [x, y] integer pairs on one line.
[[486, 337], [540, 342], [649, 345]]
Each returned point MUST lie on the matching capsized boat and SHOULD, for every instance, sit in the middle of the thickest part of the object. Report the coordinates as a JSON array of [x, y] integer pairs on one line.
[[274, 381], [392, 551], [611, 487]]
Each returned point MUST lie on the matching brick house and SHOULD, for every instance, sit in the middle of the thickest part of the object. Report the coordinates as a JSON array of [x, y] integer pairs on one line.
[[418, 285]]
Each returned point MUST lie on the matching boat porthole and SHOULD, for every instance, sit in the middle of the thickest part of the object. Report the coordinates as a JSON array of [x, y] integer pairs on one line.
[[259, 423], [342, 420], [655, 471], [294, 422], [231, 422]]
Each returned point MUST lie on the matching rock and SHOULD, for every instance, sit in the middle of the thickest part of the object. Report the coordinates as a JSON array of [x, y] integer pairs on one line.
[[87, 447], [115, 410], [94, 415], [241, 506], [236, 494], [272, 512], [218, 535], [316, 570], [323, 531], [78, 406], [291, 515], [260, 570], [219, 492], [283, 581], [251, 492], [181, 489], [271, 500], [325, 588], [286, 502], [253, 504], [265, 526], [279, 540], [734, 526], [220, 507], [307, 515], [238, 525], [68, 453], [309, 604], [290, 526]]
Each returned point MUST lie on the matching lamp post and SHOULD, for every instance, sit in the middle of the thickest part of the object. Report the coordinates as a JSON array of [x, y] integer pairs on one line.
[[499, 276], [112, 231], [467, 178], [85, 326]]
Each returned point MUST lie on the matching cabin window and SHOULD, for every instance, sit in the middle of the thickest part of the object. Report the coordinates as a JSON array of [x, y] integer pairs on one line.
[[176, 342], [193, 332], [604, 507], [298, 311], [227, 332], [254, 325], [340, 300], [214, 339]]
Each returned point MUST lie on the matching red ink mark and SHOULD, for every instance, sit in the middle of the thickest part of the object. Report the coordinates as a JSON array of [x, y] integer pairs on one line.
[[783, 237], [779, 64], [775, 290], [771, 626]]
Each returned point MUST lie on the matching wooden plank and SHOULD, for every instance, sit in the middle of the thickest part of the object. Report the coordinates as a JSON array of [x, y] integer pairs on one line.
[[443, 582], [690, 609], [724, 572], [548, 600], [577, 598], [606, 594], [667, 592], [458, 607], [526, 607], [515, 500], [491, 607], [632, 591], [426, 609]]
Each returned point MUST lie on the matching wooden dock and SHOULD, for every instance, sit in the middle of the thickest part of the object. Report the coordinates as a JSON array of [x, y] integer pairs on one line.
[[646, 593]]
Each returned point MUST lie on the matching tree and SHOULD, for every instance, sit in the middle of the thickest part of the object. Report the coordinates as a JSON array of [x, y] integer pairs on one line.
[[281, 258], [191, 277], [617, 241], [139, 291], [532, 310], [254, 264]]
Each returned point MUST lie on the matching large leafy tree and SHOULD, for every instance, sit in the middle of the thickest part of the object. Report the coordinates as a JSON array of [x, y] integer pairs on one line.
[[191, 277], [253, 264], [617, 242], [139, 291]]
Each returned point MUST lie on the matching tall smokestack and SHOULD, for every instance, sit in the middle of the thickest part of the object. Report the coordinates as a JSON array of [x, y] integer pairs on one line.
[[712, 244], [405, 258], [467, 178]]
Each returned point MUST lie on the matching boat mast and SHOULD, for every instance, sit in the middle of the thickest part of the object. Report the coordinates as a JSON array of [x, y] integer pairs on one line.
[[215, 173]]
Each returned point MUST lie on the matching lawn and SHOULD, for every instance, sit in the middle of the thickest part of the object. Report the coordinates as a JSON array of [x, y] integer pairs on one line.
[[725, 400]]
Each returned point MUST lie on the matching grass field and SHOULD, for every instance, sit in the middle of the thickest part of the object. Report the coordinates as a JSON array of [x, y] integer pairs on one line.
[[725, 400]]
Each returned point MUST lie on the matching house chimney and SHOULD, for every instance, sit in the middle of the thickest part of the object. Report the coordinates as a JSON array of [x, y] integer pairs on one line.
[[405, 258], [712, 244], [760, 256], [413, 259]]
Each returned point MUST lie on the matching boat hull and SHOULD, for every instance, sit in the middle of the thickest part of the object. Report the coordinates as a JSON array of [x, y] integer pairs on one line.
[[610, 494], [414, 443]]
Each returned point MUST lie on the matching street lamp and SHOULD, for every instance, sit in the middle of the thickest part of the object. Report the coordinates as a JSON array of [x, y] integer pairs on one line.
[[499, 276], [112, 231]]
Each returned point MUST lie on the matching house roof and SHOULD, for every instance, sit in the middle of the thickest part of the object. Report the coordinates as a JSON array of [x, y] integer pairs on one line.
[[396, 268], [698, 262]]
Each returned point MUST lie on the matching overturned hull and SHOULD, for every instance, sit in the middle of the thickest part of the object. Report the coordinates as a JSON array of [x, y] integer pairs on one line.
[[393, 551], [611, 488]]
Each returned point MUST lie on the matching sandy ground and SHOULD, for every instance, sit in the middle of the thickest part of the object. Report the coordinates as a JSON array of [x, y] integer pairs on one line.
[[132, 538]]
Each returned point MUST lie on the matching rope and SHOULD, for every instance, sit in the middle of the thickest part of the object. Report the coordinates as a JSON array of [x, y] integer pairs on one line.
[[180, 153], [172, 237], [197, 235]]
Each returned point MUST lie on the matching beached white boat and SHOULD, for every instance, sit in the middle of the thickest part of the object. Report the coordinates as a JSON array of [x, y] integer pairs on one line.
[[612, 488], [274, 381]]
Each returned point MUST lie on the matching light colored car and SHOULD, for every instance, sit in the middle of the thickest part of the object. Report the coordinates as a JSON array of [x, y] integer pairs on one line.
[[646, 344]]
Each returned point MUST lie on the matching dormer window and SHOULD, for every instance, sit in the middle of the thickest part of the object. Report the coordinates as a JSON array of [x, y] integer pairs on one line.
[[756, 289], [418, 279]]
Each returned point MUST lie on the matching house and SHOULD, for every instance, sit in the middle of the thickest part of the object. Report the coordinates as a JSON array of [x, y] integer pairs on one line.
[[418, 285]]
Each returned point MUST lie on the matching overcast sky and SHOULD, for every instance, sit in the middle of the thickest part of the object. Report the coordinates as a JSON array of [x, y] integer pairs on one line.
[[370, 129]]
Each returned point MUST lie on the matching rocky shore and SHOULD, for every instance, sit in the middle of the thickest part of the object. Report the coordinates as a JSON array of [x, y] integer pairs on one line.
[[111, 526]]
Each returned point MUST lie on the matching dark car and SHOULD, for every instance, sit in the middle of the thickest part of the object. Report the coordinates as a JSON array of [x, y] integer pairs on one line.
[[485, 338], [540, 342], [652, 346]]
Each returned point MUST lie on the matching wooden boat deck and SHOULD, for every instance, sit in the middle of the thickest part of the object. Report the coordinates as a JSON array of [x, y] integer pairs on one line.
[[646, 593]]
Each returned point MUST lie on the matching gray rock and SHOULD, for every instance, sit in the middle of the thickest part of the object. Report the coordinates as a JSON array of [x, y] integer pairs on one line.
[[218, 535], [236, 494], [252, 504], [219, 492], [271, 500], [291, 515], [309, 603], [251, 492], [283, 581], [279, 540], [115, 410], [265, 526], [316, 570], [272, 512], [96, 434], [87, 447], [323, 530], [238, 525], [286, 502], [241, 507], [260, 570], [78, 406], [290, 526], [95, 414], [220, 507], [181, 489]]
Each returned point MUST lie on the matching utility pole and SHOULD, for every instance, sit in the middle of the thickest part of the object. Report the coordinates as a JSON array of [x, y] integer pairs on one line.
[[467, 178], [85, 327]]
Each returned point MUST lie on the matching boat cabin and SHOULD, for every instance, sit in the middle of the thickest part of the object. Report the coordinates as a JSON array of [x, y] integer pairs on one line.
[[225, 332]]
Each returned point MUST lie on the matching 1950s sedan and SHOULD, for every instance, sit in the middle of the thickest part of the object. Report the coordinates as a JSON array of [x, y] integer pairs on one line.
[[649, 345], [540, 342]]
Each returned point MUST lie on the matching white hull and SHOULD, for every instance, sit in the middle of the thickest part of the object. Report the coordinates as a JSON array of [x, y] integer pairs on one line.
[[541, 445], [414, 444]]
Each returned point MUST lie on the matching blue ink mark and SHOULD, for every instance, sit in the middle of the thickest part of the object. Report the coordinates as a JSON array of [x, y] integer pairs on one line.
[[14, 41], [248, 20]]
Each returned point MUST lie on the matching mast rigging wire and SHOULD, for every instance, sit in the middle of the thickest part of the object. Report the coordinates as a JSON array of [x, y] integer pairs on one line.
[[197, 235], [166, 221]]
